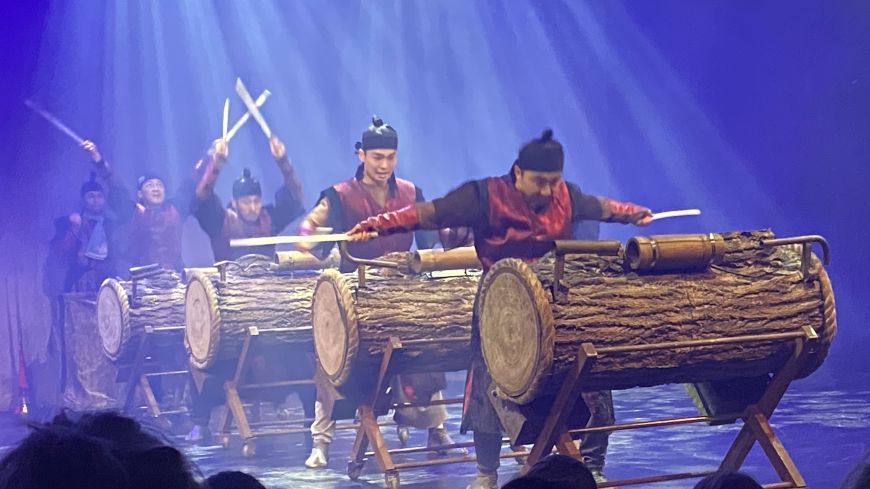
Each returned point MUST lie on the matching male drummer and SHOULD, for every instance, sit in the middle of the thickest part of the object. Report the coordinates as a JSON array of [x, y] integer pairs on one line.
[[245, 217], [375, 189], [154, 233], [517, 215]]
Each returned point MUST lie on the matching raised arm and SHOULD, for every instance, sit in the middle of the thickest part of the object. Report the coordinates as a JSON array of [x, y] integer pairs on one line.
[[288, 199], [213, 163], [118, 196], [207, 207]]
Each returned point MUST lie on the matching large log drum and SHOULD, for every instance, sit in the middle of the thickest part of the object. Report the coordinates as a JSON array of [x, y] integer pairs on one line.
[[125, 309], [352, 324], [530, 340], [253, 292]]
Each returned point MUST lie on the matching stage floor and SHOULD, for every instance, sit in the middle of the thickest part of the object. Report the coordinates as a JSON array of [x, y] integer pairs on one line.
[[824, 428]]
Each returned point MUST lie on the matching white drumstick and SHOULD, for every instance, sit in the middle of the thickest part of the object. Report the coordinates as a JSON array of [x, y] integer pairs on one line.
[[226, 120], [276, 240], [239, 123], [680, 213], [55, 122], [252, 107]]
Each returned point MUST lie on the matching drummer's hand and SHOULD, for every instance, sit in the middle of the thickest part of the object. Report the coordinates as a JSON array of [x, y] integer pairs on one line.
[[277, 148], [75, 220], [361, 232], [220, 150], [91, 148], [644, 219]]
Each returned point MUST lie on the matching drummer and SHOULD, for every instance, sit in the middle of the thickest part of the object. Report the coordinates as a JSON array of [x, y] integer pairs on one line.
[[245, 217], [372, 190], [517, 215]]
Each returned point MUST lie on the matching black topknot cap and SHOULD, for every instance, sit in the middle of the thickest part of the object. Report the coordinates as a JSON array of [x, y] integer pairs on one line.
[[92, 185], [379, 135], [547, 135], [542, 154], [247, 185]]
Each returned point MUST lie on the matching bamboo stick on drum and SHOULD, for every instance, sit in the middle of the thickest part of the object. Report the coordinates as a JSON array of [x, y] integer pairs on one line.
[[529, 341], [422, 261], [299, 260]]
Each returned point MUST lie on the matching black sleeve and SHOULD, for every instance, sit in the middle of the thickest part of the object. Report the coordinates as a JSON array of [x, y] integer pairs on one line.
[[210, 215], [425, 238], [464, 206], [61, 226], [584, 207], [184, 197], [334, 220], [287, 207], [586, 230], [120, 200]]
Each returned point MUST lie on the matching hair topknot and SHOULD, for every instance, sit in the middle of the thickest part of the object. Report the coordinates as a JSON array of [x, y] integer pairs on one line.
[[547, 135], [377, 121]]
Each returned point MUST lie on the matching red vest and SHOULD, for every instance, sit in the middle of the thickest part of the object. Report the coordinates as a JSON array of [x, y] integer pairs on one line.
[[155, 236], [237, 228], [514, 230], [357, 204]]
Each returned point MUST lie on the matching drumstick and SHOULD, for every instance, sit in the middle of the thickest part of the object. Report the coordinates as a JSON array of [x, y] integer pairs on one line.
[[276, 240], [680, 213], [55, 122], [226, 119], [239, 123], [252, 107]]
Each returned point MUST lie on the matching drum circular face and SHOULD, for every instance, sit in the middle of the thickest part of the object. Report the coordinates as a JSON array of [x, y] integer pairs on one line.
[[198, 321], [330, 330], [510, 332], [111, 320]]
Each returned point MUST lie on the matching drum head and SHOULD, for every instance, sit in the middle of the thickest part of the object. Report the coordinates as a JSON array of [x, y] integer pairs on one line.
[[516, 329], [201, 320], [333, 318], [113, 318]]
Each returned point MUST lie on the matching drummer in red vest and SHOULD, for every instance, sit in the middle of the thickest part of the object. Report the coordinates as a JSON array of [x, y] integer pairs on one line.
[[246, 216], [373, 190], [517, 215]]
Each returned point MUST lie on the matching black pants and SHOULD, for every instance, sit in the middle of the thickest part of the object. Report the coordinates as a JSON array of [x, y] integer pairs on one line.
[[480, 417], [213, 394]]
